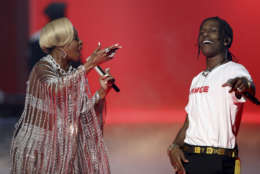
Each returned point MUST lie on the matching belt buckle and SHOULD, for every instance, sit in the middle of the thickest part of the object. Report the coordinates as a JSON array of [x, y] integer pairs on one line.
[[221, 151], [197, 149], [209, 150]]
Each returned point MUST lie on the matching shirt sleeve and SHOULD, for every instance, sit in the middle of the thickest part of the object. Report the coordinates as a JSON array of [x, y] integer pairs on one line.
[[188, 106], [239, 71]]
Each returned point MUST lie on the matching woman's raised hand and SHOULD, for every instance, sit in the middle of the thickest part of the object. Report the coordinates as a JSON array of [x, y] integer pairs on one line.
[[100, 56]]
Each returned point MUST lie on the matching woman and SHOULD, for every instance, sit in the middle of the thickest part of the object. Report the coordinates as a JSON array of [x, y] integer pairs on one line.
[[207, 143], [59, 131]]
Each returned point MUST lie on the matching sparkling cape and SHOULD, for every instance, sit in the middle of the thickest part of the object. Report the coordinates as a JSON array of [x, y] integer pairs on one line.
[[59, 131]]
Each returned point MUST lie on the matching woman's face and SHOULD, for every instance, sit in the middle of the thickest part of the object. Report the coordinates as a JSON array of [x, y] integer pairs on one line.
[[73, 49], [210, 40]]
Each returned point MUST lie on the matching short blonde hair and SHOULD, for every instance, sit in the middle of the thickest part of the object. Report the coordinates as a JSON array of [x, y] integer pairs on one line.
[[58, 32]]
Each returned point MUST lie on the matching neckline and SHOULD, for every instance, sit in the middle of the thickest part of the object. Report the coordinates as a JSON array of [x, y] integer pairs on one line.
[[207, 72], [58, 67]]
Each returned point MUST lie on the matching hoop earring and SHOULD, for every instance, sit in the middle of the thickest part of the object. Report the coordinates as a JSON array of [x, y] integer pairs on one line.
[[65, 55]]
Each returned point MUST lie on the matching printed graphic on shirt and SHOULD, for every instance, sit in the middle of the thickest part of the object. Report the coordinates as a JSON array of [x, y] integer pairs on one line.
[[202, 89]]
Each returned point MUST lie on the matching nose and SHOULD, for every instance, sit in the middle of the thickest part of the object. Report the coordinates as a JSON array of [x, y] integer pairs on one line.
[[205, 33], [80, 42]]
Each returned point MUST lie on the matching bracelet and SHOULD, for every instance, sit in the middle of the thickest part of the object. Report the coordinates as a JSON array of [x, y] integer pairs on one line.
[[172, 146], [249, 84], [97, 97], [87, 59]]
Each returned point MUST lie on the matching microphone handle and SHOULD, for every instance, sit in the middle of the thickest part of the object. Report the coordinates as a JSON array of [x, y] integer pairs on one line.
[[101, 72], [251, 98]]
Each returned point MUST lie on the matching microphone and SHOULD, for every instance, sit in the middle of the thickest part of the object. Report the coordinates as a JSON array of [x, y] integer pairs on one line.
[[251, 98], [110, 52], [101, 72]]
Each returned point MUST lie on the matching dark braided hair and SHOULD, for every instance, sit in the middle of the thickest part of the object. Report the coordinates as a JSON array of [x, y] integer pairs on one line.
[[225, 32]]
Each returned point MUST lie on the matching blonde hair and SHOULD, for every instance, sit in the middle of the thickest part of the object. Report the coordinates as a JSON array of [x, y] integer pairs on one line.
[[58, 32]]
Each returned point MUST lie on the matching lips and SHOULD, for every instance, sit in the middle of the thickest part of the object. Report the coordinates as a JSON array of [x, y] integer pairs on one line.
[[206, 42]]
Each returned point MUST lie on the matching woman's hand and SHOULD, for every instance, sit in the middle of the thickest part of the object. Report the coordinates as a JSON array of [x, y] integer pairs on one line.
[[100, 56], [107, 80], [106, 83], [176, 156]]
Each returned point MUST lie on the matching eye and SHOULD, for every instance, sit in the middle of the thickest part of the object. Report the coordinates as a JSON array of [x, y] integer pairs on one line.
[[213, 29], [201, 32]]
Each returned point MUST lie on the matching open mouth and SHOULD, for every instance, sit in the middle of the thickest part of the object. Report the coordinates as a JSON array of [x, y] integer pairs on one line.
[[207, 42]]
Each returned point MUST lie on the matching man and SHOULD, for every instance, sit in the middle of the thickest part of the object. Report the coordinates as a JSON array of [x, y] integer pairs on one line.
[[206, 144]]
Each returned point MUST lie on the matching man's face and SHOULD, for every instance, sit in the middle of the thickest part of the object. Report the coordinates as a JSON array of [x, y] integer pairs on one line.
[[210, 41]]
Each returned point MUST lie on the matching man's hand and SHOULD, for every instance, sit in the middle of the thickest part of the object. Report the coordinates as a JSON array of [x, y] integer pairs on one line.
[[176, 156], [238, 85]]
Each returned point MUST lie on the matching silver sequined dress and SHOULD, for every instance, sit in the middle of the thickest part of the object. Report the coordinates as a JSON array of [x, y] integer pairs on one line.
[[59, 131]]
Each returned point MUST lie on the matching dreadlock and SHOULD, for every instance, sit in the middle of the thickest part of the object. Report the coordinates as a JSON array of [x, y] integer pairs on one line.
[[225, 32]]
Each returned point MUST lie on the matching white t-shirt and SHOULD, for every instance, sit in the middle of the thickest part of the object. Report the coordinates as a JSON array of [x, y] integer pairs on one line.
[[214, 114]]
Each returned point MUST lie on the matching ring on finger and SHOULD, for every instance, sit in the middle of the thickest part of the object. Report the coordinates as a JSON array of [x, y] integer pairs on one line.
[[106, 75], [107, 50], [111, 55]]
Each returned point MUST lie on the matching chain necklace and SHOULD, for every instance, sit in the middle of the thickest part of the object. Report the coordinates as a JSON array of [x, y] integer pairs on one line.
[[207, 71], [57, 66]]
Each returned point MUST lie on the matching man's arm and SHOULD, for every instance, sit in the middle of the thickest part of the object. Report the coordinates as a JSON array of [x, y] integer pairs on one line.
[[179, 139], [240, 85], [175, 153]]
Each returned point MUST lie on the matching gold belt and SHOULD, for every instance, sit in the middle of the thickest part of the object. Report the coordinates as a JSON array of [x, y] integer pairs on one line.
[[210, 150]]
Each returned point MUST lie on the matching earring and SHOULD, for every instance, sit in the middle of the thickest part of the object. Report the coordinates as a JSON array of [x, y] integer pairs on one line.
[[64, 54]]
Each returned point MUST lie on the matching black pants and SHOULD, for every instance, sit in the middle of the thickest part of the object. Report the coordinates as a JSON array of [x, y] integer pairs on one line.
[[209, 164]]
